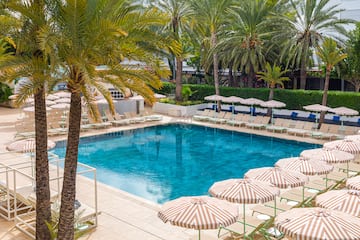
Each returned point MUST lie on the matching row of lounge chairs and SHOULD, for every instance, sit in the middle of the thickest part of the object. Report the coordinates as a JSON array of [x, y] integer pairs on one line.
[[278, 125]]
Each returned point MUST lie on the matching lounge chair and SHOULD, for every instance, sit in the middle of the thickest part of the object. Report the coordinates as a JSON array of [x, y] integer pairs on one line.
[[116, 120], [268, 208], [280, 125], [133, 117], [259, 122], [202, 115], [218, 118], [300, 195]]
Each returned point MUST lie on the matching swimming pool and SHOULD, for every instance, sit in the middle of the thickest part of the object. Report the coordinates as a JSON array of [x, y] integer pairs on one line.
[[165, 162]]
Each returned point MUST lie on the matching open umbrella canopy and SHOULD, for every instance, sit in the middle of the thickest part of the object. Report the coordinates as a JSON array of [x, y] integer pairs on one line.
[[346, 145], [214, 98], [232, 99], [328, 155], [316, 108], [318, 224], [277, 177], [344, 200], [27, 145], [243, 191], [198, 212], [304, 165], [353, 137], [344, 111], [273, 104], [252, 101], [353, 183]]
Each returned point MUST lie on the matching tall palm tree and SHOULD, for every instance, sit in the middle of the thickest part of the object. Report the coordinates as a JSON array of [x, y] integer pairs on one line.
[[30, 61], [302, 31], [178, 13], [247, 38], [88, 33], [211, 15], [330, 55]]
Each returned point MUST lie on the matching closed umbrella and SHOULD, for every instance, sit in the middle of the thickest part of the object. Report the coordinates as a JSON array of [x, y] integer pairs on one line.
[[245, 191], [344, 200], [277, 177], [199, 213], [318, 224], [273, 104], [353, 183]]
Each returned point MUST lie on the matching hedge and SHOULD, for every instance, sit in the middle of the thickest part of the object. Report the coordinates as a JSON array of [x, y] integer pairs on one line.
[[294, 99]]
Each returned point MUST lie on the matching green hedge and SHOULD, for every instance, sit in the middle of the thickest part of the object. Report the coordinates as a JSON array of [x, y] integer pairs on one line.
[[294, 99], [5, 92]]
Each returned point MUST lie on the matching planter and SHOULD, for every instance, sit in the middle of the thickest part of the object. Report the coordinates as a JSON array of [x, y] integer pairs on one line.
[[177, 110]]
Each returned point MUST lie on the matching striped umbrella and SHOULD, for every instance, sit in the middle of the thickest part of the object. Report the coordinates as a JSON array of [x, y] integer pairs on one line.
[[353, 183], [346, 145], [328, 155], [198, 212], [277, 177], [304, 165], [344, 200], [27, 145], [318, 224], [244, 191]]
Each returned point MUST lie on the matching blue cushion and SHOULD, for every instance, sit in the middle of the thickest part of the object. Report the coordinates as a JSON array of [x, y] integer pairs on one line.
[[293, 114], [312, 116], [336, 118]]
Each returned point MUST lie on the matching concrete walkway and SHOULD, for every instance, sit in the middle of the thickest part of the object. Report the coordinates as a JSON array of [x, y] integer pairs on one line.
[[123, 216]]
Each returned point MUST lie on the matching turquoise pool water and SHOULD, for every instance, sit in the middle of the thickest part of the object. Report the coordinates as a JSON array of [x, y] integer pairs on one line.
[[165, 162]]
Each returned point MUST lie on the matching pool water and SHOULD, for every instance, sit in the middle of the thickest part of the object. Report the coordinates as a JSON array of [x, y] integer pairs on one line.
[[165, 162]]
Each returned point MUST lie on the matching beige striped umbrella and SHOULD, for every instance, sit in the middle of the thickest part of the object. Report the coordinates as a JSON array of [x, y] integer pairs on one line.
[[344, 200], [318, 224], [346, 145], [244, 191], [27, 145], [198, 212], [353, 183], [304, 165], [328, 155], [277, 177]]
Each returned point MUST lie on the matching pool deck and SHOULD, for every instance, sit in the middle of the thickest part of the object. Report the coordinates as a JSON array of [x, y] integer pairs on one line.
[[123, 216]]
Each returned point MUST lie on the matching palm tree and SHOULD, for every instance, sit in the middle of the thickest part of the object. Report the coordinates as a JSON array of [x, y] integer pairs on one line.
[[211, 15], [330, 55], [178, 12], [273, 75], [91, 33], [247, 38], [32, 62], [301, 33]]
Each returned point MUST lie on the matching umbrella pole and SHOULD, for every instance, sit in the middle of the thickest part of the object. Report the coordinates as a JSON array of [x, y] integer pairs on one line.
[[275, 207], [244, 218], [199, 234]]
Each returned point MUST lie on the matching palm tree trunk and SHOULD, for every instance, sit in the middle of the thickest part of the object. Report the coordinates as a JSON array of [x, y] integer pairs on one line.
[[271, 97], [325, 94], [178, 79], [66, 222], [303, 66], [231, 76], [43, 210], [216, 67], [357, 87]]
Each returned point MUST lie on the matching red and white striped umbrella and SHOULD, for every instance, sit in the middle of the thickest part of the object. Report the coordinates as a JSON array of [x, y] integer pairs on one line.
[[198, 212], [344, 200], [304, 165], [243, 191], [328, 155], [277, 177], [346, 145], [27, 145], [353, 183], [318, 224]]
